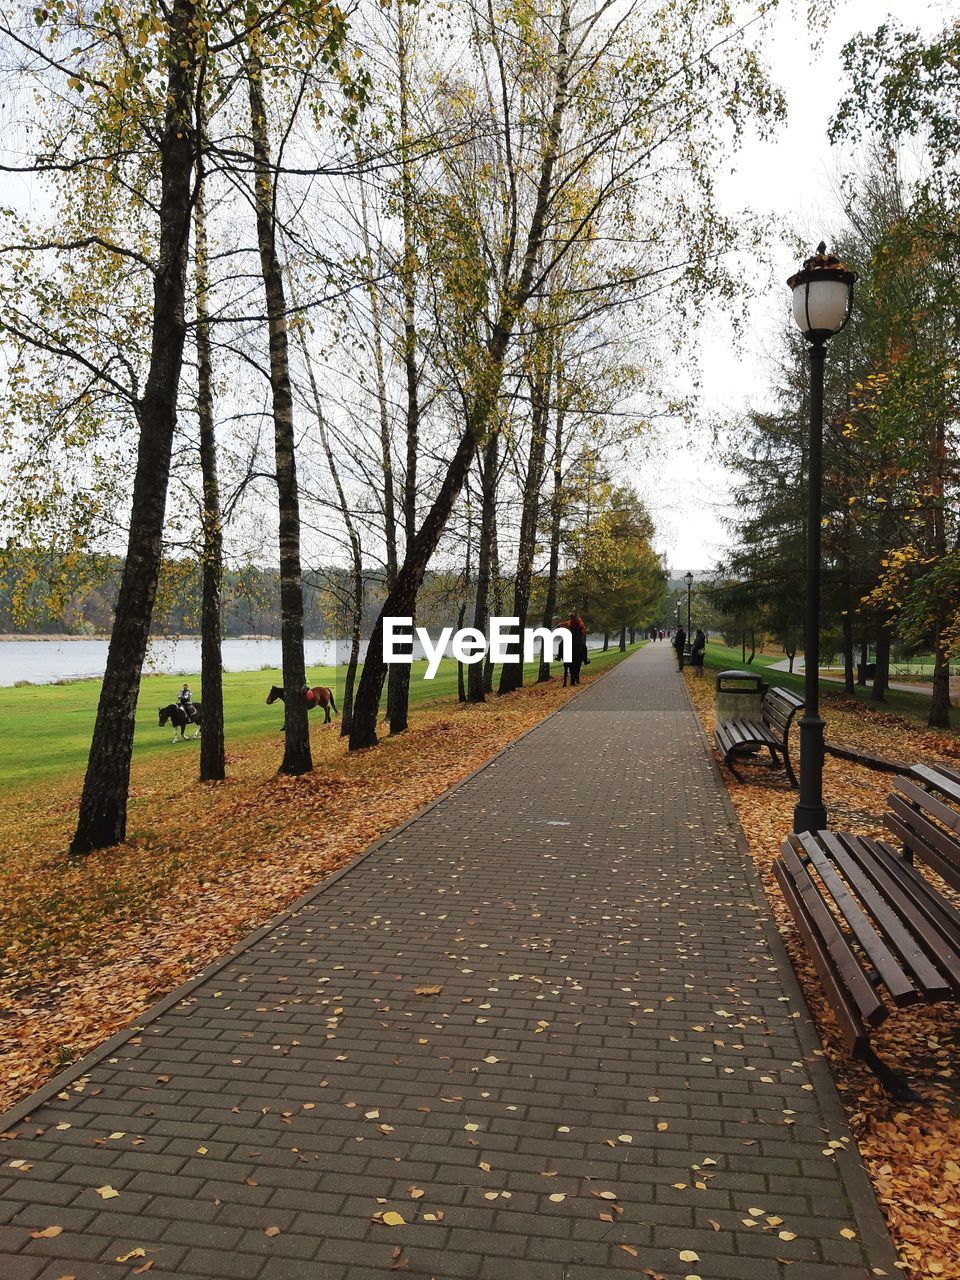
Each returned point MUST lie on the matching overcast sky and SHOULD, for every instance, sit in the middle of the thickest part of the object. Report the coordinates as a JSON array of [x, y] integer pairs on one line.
[[796, 177]]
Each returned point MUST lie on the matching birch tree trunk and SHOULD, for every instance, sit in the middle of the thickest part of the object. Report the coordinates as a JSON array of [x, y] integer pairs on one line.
[[398, 690], [556, 512], [511, 675], [881, 677], [102, 819], [476, 674], [212, 751], [353, 537], [296, 754]]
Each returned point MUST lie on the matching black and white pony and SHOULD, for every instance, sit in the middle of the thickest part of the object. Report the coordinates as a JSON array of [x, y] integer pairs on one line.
[[177, 716]]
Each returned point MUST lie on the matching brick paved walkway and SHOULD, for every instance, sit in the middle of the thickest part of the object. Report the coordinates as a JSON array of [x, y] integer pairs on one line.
[[608, 1076]]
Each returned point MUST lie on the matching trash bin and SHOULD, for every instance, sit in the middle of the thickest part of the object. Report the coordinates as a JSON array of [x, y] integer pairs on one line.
[[739, 695]]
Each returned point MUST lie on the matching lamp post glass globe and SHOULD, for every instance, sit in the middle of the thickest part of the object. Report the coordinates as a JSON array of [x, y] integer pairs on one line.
[[822, 295]]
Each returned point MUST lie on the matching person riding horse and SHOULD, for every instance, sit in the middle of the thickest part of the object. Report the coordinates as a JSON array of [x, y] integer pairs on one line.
[[185, 700]]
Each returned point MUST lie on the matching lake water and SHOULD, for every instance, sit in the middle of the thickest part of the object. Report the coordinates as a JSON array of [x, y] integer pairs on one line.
[[46, 661]]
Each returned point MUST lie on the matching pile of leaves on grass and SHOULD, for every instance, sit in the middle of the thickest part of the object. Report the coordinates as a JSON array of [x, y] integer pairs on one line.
[[88, 945], [911, 1150]]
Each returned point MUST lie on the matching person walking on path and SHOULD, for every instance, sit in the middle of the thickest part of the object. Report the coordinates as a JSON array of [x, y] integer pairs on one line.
[[697, 651], [679, 643], [578, 656]]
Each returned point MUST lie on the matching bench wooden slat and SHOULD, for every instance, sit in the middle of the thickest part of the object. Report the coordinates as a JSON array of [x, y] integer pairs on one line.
[[929, 803], [941, 913], [754, 731], [852, 1026], [924, 817], [901, 989], [773, 719], [849, 969], [922, 839], [931, 981], [940, 777], [910, 903], [849, 1016]]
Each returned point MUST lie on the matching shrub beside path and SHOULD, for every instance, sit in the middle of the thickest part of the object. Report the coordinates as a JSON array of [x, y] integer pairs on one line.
[[545, 1030]]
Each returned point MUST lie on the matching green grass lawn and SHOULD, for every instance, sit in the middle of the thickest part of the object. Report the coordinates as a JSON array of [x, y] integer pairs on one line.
[[914, 706], [45, 729]]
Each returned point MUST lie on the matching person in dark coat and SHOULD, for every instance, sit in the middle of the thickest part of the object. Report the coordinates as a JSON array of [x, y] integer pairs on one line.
[[679, 643], [578, 631], [697, 651]]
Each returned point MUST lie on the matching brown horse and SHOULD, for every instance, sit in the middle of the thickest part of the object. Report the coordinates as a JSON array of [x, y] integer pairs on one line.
[[318, 696]]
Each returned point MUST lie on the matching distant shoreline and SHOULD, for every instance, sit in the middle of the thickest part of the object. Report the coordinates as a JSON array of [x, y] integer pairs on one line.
[[10, 637]]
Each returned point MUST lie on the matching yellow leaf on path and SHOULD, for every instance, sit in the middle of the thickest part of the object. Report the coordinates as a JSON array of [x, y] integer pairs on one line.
[[628, 1248], [607, 1195], [393, 1219], [471, 1128], [48, 1233], [557, 1197], [134, 1253], [491, 1059], [272, 1231], [787, 1235], [428, 991], [848, 1234], [107, 1192], [688, 1255], [662, 1127], [415, 1193]]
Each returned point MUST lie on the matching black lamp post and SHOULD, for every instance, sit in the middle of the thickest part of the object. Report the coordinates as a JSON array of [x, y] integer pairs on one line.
[[678, 613], [822, 301], [688, 579]]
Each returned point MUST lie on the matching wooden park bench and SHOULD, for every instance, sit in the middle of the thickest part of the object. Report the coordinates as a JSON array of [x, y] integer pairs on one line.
[[880, 934], [746, 736]]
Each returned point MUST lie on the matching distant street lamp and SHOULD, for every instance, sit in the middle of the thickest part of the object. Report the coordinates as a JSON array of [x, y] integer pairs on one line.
[[822, 302], [688, 579], [678, 613]]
